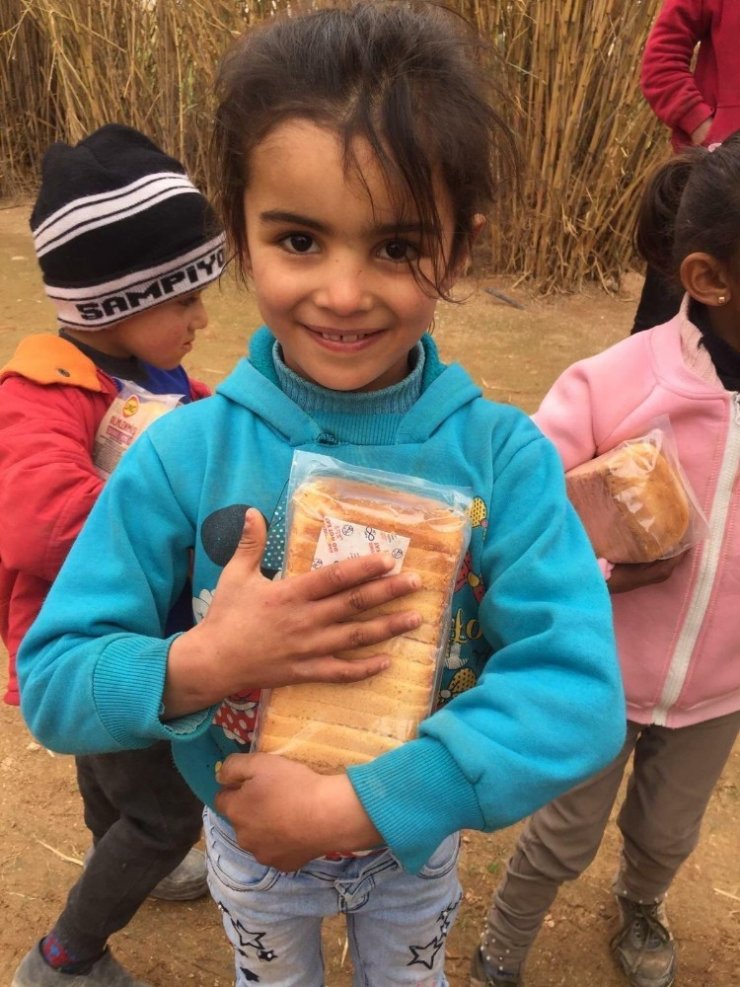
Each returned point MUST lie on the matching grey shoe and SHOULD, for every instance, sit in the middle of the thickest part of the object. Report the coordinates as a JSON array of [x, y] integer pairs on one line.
[[34, 971], [483, 973], [644, 946], [186, 882]]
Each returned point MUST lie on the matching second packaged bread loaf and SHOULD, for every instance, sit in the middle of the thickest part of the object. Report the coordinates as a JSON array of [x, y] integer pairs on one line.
[[632, 503]]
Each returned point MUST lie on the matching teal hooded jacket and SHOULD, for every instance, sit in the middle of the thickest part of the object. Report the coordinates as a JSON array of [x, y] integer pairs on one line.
[[531, 700]]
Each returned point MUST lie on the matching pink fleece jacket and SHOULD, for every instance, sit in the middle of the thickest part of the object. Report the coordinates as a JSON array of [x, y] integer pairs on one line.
[[678, 641]]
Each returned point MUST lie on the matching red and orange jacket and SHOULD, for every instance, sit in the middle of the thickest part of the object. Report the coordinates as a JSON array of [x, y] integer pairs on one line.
[[52, 400], [683, 99]]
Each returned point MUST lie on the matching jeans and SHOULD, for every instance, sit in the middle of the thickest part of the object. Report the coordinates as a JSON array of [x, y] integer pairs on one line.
[[397, 923]]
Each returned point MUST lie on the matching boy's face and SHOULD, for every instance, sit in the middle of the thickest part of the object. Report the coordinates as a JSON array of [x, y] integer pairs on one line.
[[328, 254], [162, 335]]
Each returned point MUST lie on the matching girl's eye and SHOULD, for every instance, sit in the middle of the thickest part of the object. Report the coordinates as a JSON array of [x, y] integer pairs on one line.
[[399, 251], [189, 300], [299, 243]]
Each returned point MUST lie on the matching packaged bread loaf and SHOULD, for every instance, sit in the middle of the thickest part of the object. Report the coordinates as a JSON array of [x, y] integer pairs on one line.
[[129, 414], [633, 501], [336, 512]]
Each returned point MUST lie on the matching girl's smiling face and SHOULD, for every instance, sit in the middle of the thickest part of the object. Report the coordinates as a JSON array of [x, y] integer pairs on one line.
[[328, 254]]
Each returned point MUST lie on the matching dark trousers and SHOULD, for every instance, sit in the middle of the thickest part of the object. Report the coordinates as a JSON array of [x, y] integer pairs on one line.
[[674, 772], [660, 301], [144, 819]]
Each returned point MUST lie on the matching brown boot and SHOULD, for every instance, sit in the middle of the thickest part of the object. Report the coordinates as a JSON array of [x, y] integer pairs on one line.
[[644, 946], [485, 973]]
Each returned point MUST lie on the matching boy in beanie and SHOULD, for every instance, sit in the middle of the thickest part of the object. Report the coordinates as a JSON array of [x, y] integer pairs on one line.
[[126, 245]]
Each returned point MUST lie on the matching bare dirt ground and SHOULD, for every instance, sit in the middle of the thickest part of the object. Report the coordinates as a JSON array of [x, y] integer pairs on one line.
[[514, 354]]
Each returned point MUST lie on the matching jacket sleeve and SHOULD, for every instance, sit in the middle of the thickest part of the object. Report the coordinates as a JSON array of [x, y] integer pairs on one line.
[[666, 78], [92, 673], [198, 389], [576, 418], [548, 709], [47, 481], [566, 415]]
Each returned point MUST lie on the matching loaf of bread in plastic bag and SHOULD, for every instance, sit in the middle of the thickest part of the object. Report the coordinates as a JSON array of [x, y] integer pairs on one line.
[[632, 503], [327, 726]]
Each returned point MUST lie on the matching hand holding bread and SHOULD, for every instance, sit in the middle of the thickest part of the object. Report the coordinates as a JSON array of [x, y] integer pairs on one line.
[[286, 814], [628, 576], [260, 633]]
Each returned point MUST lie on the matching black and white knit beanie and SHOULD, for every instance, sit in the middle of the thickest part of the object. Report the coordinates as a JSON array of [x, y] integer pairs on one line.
[[119, 227]]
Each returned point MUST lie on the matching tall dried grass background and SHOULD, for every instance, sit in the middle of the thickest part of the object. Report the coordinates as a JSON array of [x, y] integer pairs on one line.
[[571, 71]]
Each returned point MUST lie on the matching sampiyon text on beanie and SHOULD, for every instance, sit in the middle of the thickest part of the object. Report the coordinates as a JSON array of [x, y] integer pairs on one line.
[[118, 227]]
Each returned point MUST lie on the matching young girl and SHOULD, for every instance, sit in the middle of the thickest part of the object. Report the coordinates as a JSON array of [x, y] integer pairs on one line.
[[356, 150], [677, 636]]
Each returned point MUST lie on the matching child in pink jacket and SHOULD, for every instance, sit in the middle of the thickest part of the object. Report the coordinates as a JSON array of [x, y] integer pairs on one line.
[[676, 621]]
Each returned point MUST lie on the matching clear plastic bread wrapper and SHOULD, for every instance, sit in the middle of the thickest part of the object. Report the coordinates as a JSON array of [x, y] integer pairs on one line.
[[336, 512], [635, 501], [131, 412]]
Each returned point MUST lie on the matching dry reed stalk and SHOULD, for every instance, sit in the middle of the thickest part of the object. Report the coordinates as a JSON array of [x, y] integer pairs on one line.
[[588, 136], [68, 66], [571, 71]]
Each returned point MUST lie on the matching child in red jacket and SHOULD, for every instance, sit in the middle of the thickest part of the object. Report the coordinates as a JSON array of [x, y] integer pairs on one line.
[[701, 106], [126, 245]]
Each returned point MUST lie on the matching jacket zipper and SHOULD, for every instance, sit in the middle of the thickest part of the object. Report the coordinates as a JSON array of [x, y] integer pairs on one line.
[[707, 570]]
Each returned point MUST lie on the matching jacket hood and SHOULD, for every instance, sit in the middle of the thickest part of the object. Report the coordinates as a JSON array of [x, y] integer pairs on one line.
[[253, 384], [48, 359]]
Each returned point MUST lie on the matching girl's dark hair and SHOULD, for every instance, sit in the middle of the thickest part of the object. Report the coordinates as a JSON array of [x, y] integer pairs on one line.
[[692, 203], [411, 78]]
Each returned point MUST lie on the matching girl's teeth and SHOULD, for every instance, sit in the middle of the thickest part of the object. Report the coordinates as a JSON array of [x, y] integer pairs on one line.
[[345, 338]]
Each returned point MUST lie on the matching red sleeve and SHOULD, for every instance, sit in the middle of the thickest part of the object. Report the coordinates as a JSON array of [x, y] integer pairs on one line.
[[666, 78], [47, 481], [198, 389]]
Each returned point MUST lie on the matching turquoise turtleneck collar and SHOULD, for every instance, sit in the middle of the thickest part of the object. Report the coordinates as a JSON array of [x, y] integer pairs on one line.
[[306, 413], [394, 400], [340, 412], [262, 344]]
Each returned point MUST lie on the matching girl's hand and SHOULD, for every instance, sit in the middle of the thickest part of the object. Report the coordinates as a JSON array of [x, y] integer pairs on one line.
[[286, 814], [260, 632], [626, 577], [699, 135]]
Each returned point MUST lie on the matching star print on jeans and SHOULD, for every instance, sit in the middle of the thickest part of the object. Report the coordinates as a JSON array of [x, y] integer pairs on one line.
[[426, 955], [445, 916], [253, 940]]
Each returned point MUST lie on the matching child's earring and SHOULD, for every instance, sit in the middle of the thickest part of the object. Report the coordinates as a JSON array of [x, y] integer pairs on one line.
[[721, 299]]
